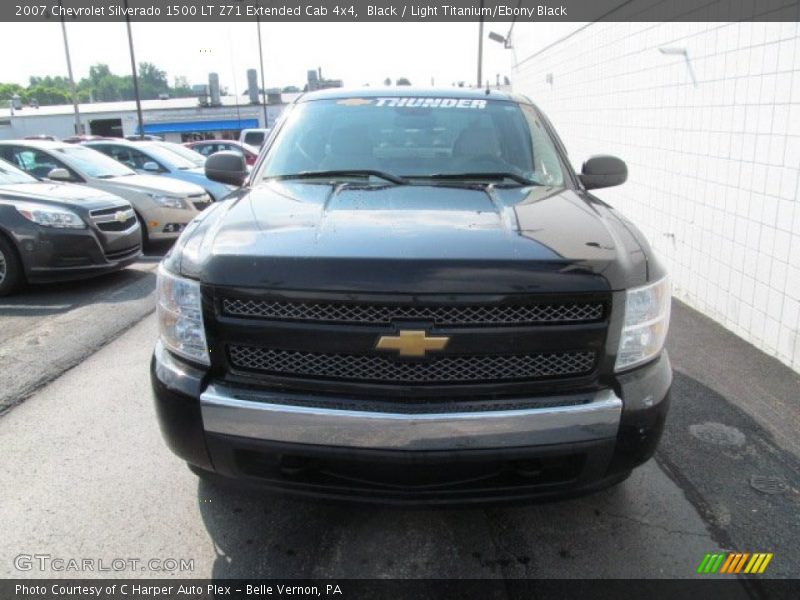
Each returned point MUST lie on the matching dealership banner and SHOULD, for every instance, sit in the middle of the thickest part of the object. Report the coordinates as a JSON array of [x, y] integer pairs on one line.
[[396, 589], [400, 10]]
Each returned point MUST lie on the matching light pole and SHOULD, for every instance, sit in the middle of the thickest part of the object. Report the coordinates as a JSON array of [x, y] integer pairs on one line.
[[480, 46], [261, 62], [505, 40], [73, 90], [135, 76]]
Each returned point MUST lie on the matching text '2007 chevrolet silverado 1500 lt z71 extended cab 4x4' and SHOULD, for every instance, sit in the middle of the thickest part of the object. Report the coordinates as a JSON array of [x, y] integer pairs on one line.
[[413, 298]]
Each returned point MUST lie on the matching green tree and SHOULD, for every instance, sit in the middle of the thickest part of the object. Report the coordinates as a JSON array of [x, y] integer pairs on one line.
[[152, 81], [7, 90], [101, 85]]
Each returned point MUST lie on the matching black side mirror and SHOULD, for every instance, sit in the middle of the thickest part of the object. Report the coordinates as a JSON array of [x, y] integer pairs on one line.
[[603, 171], [226, 167]]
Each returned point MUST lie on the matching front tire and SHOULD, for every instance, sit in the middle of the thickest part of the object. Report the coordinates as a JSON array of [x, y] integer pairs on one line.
[[11, 275]]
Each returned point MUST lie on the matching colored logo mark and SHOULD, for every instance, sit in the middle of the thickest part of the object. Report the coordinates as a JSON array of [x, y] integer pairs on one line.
[[734, 562]]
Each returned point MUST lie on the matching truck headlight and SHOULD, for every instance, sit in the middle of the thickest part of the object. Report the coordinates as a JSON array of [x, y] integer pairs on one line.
[[180, 316], [169, 201], [49, 216], [646, 322]]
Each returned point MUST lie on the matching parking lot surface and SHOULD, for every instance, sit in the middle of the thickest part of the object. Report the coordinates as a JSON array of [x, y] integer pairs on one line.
[[87, 475]]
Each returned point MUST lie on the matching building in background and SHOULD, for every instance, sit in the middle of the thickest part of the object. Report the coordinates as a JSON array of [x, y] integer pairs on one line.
[[209, 115], [707, 116], [315, 81]]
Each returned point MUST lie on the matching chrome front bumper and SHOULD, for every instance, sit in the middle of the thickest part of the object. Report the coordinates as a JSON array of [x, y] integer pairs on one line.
[[270, 416]]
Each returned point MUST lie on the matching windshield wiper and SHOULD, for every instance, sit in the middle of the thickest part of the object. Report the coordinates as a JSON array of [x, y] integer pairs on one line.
[[491, 175], [344, 173]]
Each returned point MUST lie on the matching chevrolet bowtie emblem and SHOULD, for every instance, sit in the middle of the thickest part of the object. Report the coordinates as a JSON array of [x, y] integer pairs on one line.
[[120, 216], [412, 343]]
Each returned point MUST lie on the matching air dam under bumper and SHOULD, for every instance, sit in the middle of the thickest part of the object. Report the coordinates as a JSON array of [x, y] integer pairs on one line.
[[284, 442]]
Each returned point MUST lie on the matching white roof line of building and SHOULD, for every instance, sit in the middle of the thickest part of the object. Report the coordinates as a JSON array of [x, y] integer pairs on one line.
[[130, 105]]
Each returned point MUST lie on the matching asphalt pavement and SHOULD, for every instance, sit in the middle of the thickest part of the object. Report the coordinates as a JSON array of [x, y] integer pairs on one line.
[[86, 474]]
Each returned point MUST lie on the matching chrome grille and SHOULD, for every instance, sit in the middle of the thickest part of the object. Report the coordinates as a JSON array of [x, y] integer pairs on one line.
[[449, 369], [117, 218], [452, 315]]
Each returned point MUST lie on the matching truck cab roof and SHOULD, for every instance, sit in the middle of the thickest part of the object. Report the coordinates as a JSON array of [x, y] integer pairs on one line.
[[417, 92]]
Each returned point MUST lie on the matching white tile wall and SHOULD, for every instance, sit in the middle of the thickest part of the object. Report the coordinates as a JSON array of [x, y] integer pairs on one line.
[[713, 168]]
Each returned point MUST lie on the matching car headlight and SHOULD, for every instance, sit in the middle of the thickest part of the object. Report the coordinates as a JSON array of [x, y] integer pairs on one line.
[[646, 322], [180, 316], [49, 216], [169, 201]]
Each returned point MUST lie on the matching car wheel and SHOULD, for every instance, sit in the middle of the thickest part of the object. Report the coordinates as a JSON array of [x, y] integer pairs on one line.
[[10, 268]]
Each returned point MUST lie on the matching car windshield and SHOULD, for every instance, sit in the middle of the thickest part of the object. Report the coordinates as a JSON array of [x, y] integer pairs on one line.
[[438, 138], [197, 159], [168, 158], [10, 175], [92, 163]]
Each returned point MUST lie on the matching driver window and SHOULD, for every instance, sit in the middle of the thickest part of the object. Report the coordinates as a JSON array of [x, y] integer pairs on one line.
[[122, 155], [38, 163]]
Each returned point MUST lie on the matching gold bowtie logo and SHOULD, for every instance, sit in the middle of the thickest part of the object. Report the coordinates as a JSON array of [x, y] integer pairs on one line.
[[412, 343]]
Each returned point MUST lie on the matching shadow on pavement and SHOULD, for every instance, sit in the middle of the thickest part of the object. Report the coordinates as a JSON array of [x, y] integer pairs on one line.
[[746, 487], [44, 299], [645, 527]]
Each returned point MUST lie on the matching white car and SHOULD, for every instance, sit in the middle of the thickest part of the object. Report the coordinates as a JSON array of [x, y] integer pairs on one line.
[[254, 137], [160, 158], [164, 206]]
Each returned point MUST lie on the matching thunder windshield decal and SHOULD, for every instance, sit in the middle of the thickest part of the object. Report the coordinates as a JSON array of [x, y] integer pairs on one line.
[[394, 102]]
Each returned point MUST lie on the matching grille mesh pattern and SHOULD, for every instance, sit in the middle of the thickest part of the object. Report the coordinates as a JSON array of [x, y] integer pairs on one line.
[[441, 315], [455, 369], [116, 225]]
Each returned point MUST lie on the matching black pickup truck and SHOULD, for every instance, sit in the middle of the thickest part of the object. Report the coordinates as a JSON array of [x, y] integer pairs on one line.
[[413, 298]]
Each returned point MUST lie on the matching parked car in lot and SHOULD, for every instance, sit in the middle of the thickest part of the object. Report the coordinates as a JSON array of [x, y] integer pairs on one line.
[[144, 138], [209, 147], [413, 299], [154, 159], [79, 139], [197, 159], [254, 137], [57, 231], [164, 206]]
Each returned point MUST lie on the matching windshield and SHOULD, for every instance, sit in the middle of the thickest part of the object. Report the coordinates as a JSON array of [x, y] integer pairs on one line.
[[168, 157], [187, 154], [10, 175], [416, 138], [92, 163]]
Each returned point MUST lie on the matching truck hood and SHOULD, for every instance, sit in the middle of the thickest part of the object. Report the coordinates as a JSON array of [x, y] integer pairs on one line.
[[60, 193], [420, 238], [152, 184]]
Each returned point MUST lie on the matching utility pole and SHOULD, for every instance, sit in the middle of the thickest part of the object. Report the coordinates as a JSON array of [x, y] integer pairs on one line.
[[73, 90], [135, 76], [261, 61], [480, 48]]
